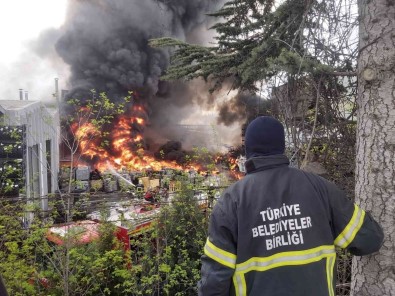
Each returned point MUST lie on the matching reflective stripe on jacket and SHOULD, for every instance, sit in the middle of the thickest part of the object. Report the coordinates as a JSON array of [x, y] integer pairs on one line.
[[275, 231]]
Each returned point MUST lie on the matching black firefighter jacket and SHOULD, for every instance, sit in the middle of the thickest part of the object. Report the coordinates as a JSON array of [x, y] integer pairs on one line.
[[274, 233]]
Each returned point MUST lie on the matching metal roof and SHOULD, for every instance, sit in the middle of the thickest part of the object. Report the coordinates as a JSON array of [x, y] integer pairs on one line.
[[16, 104]]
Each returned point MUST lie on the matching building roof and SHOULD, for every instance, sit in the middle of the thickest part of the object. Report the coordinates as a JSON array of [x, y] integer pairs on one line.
[[16, 104]]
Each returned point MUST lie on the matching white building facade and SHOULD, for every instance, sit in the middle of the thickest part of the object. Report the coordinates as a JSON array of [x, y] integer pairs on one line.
[[40, 146]]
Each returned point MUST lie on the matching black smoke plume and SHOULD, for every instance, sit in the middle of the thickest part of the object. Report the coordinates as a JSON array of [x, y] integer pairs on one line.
[[243, 107], [105, 43]]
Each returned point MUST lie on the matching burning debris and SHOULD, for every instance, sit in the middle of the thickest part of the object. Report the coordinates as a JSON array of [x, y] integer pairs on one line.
[[118, 156], [171, 151], [106, 45], [140, 182]]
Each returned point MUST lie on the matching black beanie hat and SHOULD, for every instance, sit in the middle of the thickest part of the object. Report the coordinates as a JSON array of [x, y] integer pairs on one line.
[[264, 136]]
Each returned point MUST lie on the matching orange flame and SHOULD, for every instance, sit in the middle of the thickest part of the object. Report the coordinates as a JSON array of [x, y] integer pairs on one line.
[[125, 146]]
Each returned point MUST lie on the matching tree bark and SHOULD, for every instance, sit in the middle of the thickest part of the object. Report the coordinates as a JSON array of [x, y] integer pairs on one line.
[[375, 162]]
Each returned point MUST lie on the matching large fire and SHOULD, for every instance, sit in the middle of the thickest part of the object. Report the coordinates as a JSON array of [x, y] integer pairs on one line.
[[122, 147], [232, 163]]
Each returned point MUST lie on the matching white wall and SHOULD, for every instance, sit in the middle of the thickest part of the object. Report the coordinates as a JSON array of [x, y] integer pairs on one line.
[[41, 126]]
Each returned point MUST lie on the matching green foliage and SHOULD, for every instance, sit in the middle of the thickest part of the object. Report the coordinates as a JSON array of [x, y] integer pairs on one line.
[[18, 250], [183, 232], [168, 257], [11, 177], [31, 265], [260, 39], [185, 58], [98, 110], [87, 121], [248, 41], [204, 157], [162, 261]]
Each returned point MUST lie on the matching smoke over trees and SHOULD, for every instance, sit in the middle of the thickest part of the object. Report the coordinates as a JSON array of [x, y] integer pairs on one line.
[[105, 43]]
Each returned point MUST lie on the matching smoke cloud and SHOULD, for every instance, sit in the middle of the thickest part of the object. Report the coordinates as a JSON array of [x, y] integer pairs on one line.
[[105, 44], [242, 106]]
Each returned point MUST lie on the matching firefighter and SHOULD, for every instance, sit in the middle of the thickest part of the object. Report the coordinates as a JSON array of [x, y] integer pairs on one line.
[[152, 195], [210, 195], [275, 231]]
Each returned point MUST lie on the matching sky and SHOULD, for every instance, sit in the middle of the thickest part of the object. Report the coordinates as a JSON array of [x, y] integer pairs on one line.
[[28, 60], [21, 23]]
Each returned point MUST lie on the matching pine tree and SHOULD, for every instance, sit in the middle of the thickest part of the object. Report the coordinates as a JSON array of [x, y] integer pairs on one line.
[[316, 41], [258, 40]]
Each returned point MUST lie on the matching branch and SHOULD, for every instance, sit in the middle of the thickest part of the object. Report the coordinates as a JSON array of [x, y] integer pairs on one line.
[[305, 161], [348, 73]]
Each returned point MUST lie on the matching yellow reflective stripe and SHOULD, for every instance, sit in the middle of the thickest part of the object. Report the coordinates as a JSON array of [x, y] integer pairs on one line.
[[285, 258], [332, 272], [330, 264], [356, 229], [279, 260], [221, 256], [352, 228], [240, 284], [328, 277]]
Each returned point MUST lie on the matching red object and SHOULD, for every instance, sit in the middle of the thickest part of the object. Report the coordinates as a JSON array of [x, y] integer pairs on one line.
[[83, 232], [149, 196], [123, 236], [141, 228], [79, 233]]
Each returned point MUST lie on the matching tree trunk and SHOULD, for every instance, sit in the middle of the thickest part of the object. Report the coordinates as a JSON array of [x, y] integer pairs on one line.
[[375, 162]]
